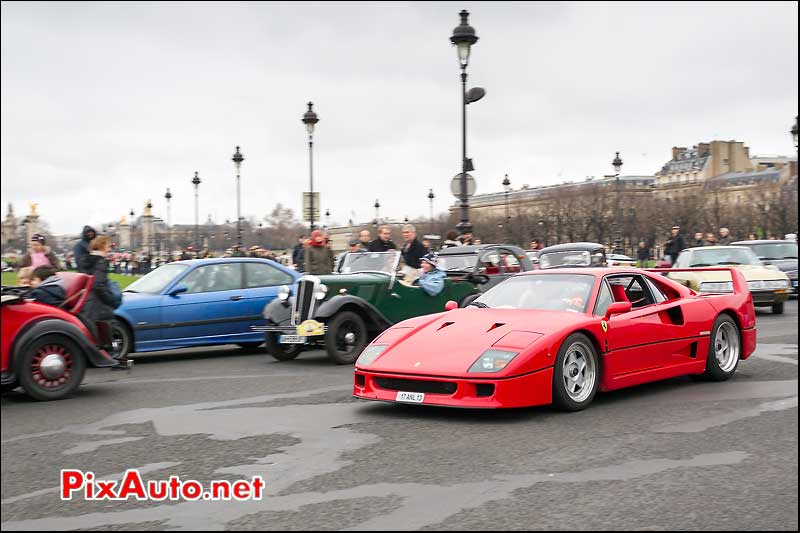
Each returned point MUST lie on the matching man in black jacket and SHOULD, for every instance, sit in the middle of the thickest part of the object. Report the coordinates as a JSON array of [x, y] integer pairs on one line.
[[298, 254], [413, 250], [675, 244], [383, 243], [81, 249]]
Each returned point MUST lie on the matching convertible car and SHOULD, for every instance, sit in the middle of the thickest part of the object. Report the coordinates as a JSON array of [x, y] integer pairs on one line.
[[560, 336], [200, 302], [46, 349]]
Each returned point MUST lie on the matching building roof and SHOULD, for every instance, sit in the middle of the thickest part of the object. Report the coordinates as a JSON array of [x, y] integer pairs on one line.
[[688, 160], [746, 177]]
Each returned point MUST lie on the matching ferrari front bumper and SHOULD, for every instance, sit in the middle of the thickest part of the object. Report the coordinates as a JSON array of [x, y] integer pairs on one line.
[[519, 391]]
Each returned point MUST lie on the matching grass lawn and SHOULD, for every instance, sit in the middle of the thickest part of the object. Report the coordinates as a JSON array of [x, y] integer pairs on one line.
[[10, 278]]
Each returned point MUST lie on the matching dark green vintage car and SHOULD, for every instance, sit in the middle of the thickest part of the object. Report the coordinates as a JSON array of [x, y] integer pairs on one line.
[[343, 312]]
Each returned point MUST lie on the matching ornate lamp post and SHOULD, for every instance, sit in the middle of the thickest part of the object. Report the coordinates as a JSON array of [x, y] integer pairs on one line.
[[196, 182], [327, 218], [133, 230], [463, 38], [794, 133], [377, 212], [237, 160], [310, 119], [430, 200], [617, 163], [168, 197], [507, 189]]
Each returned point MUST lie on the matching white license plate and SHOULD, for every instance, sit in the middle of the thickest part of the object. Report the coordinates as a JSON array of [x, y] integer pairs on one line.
[[410, 397], [292, 339]]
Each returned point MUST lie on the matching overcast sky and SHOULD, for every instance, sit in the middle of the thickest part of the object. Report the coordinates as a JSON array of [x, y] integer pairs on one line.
[[105, 105]]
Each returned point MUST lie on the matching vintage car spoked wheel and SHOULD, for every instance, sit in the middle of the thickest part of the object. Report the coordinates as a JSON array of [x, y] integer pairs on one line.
[[121, 339], [281, 352], [575, 375], [724, 349], [51, 367], [346, 337]]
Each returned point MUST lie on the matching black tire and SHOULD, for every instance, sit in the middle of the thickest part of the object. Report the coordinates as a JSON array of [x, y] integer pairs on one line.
[[777, 309], [714, 371], [8, 387], [576, 343], [35, 384], [121, 339], [339, 349], [281, 352], [249, 345]]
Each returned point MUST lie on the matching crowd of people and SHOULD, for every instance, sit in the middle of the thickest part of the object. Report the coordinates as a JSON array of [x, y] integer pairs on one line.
[[676, 242]]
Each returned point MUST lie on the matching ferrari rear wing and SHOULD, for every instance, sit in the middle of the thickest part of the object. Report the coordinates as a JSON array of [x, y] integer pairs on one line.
[[739, 283]]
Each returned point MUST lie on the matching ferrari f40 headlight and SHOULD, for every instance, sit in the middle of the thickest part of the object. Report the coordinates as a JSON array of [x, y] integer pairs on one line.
[[370, 353], [716, 286], [492, 361]]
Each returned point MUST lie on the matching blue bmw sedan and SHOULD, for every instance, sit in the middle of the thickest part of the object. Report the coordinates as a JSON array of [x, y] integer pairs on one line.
[[201, 302]]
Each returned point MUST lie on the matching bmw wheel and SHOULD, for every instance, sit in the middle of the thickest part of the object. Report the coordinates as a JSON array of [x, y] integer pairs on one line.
[[281, 352], [576, 374], [346, 338], [121, 339], [724, 349], [51, 367]]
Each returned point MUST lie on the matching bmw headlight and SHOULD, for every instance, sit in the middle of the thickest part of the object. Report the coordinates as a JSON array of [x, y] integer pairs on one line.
[[716, 286], [320, 291], [493, 361], [284, 293], [370, 353]]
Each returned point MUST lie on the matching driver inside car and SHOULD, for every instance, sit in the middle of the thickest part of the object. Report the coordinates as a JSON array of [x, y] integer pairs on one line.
[[432, 279]]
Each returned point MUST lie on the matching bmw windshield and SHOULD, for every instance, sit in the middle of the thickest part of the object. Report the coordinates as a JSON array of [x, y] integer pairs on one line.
[[554, 292], [158, 279]]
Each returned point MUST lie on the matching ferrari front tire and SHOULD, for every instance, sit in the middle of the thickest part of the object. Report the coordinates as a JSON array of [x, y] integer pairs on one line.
[[346, 338], [576, 373], [51, 367], [281, 352], [724, 349]]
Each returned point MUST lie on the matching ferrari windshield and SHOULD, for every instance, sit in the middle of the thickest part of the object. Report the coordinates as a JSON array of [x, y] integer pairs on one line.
[[554, 292], [158, 279], [778, 250], [719, 256], [370, 262]]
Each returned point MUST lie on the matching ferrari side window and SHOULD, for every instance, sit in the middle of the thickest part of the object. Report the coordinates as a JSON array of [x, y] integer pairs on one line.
[[604, 299], [658, 296]]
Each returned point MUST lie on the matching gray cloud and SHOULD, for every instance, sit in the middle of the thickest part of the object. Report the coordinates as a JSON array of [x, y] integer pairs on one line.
[[105, 105]]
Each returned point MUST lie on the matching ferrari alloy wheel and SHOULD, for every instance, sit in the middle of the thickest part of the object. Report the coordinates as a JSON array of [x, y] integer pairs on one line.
[[51, 367], [121, 340], [576, 373], [724, 349], [281, 352], [346, 338]]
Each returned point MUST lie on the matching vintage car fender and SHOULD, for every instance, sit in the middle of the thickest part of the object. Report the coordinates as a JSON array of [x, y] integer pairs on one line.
[[50, 325], [279, 312]]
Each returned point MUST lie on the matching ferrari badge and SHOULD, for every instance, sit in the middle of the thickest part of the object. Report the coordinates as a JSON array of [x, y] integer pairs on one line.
[[604, 325]]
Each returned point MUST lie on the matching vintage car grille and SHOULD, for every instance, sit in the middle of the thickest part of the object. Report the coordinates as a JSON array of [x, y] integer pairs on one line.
[[303, 306], [415, 385]]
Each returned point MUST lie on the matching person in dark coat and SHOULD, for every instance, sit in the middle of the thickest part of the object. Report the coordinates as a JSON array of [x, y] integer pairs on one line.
[[47, 287], [298, 254], [81, 249], [643, 254], [383, 243], [413, 250], [698, 241], [99, 308], [318, 257], [675, 244]]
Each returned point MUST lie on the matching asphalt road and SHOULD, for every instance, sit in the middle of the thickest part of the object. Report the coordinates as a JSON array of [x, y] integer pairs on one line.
[[678, 454]]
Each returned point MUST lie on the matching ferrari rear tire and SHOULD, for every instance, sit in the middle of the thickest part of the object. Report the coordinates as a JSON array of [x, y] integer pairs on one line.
[[281, 352], [576, 374], [51, 367], [724, 349], [777, 309], [346, 338], [121, 339]]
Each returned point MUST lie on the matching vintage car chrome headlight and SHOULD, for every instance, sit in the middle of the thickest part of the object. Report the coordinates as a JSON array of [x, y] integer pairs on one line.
[[284, 293], [716, 286], [320, 291], [492, 361], [370, 353]]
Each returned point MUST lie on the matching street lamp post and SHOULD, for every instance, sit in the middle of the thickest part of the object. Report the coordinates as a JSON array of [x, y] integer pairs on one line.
[[377, 212], [133, 230], [794, 133], [617, 162], [327, 218], [196, 182], [310, 119], [430, 200], [168, 197], [237, 160], [507, 189], [463, 38]]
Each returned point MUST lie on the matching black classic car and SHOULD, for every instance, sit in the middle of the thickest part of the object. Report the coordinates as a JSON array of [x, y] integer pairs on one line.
[[498, 262]]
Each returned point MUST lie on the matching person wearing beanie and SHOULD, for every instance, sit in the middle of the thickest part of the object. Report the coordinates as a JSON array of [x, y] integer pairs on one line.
[[39, 255], [318, 256], [432, 279]]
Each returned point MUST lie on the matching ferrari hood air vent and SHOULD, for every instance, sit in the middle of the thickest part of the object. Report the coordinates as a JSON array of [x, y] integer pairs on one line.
[[495, 326], [445, 325]]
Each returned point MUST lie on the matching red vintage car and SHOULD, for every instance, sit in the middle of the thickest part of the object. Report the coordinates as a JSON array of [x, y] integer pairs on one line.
[[46, 349], [559, 336]]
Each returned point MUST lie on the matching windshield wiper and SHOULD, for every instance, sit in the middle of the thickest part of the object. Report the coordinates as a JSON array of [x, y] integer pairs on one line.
[[129, 290], [699, 265], [728, 263], [479, 304]]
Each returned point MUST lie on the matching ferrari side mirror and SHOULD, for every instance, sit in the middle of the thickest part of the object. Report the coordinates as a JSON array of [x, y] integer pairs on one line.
[[617, 308], [450, 305]]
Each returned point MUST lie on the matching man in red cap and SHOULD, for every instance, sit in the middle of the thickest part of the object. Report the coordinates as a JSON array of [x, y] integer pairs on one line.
[[318, 256]]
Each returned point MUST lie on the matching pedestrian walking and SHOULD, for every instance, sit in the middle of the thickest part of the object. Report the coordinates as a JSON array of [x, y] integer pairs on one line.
[[81, 249], [675, 244], [298, 254], [642, 255], [318, 257]]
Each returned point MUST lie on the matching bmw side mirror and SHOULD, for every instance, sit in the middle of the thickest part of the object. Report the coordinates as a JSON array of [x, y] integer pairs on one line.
[[179, 289], [617, 308], [450, 305]]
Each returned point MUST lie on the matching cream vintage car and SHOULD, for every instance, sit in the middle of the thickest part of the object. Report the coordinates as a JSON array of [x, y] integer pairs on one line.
[[769, 286]]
